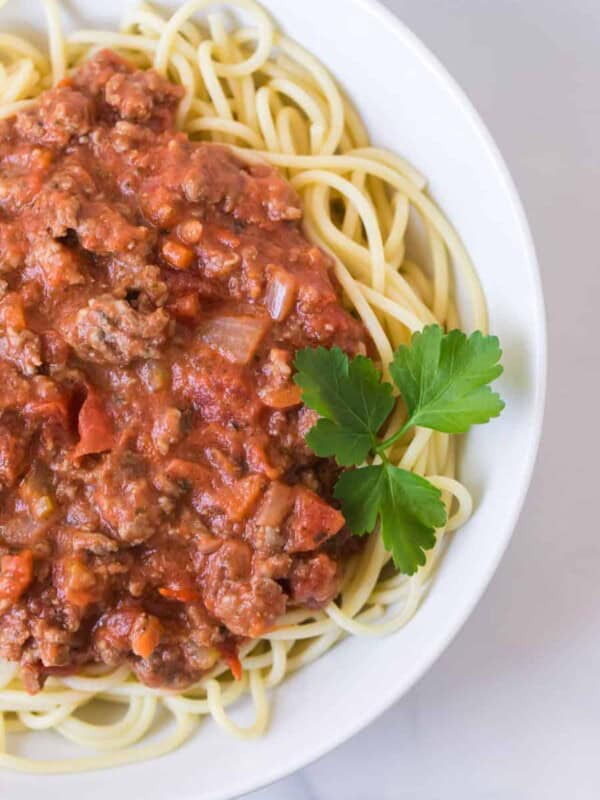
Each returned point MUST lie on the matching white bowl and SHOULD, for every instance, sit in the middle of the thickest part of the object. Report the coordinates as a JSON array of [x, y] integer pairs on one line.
[[412, 106]]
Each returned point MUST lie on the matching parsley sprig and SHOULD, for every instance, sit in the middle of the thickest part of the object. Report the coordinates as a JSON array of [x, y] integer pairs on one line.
[[444, 380]]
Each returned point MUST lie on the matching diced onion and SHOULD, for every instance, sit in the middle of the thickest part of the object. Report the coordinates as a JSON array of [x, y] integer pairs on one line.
[[276, 504], [236, 337], [281, 294]]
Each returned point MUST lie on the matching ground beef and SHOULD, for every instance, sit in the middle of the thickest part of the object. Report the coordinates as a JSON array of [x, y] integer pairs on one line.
[[58, 116], [110, 331]]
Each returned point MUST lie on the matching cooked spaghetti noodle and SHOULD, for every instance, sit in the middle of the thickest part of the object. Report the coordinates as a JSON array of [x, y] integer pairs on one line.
[[253, 88]]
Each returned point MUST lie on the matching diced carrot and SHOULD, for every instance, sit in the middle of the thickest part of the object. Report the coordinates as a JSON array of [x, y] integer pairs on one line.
[[235, 665], [178, 255], [229, 654], [283, 397], [145, 644], [237, 499], [16, 573], [96, 433], [185, 307], [181, 593]]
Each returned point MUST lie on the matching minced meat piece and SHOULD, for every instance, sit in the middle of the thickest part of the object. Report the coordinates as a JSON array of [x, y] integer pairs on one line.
[[110, 331]]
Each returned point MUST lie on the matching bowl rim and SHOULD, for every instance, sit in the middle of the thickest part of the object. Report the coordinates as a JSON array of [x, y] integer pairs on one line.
[[385, 700]]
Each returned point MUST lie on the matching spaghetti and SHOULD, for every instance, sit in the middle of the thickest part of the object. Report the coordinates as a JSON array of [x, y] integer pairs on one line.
[[253, 88]]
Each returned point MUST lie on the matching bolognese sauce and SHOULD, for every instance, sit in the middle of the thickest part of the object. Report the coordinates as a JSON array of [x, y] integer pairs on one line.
[[158, 503]]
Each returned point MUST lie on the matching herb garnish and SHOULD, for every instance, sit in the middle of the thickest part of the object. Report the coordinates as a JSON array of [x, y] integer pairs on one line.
[[443, 379]]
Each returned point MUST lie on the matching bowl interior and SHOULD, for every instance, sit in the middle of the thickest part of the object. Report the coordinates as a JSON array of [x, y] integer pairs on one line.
[[413, 107]]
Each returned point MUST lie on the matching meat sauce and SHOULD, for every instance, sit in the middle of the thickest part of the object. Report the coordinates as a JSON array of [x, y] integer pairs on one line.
[[158, 503]]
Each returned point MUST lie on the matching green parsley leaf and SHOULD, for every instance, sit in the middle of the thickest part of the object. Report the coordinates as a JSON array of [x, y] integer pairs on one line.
[[408, 507], [443, 379], [350, 398], [444, 382]]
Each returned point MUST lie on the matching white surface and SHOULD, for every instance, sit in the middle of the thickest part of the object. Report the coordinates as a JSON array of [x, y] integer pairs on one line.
[[410, 104], [511, 711]]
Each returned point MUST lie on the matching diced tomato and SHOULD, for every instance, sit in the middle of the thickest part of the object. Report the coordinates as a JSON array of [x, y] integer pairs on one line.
[[236, 499], [96, 433], [182, 593], [311, 522], [16, 573]]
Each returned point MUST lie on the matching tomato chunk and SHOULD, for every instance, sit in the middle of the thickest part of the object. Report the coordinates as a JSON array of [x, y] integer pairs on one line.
[[311, 522], [96, 434], [16, 573]]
